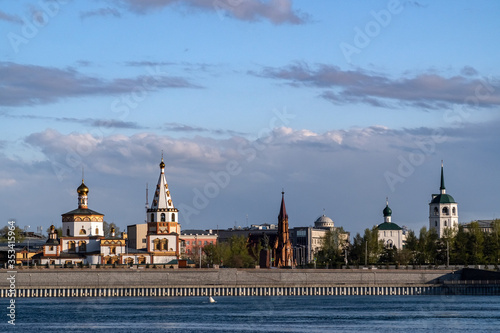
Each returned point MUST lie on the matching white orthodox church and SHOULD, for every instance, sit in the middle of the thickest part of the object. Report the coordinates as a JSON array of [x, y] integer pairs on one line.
[[390, 233], [443, 210], [83, 240]]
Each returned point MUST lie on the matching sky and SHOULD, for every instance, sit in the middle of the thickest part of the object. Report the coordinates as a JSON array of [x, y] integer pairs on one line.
[[340, 104]]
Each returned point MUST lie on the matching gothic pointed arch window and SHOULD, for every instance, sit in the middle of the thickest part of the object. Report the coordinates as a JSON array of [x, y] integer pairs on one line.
[[163, 217]]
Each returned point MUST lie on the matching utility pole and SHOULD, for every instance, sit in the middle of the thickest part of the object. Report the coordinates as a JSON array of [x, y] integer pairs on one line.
[[447, 254], [366, 253], [200, 256]]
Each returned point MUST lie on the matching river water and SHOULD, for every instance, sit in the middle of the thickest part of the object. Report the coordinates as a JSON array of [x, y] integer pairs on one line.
[[257, 314]]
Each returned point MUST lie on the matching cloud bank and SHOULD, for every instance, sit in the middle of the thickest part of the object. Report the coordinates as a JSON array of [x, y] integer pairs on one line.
[[275, 11], [426, 90]]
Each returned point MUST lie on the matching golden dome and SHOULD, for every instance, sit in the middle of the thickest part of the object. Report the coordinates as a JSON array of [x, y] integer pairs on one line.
[[82, 189], [162, 164]]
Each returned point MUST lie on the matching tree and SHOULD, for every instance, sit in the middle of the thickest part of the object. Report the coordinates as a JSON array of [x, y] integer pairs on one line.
[[330, 249], [107, 229], [18, 234], [58, 230], [475, 243]]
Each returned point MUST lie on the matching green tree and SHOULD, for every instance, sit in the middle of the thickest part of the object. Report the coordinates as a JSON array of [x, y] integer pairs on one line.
[[475, 243], [460, 254], [58, 230], [107, 229], [331, 248], [18, 234]]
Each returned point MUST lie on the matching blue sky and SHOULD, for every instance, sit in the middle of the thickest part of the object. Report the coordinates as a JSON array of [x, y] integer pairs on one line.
[[340, 103]]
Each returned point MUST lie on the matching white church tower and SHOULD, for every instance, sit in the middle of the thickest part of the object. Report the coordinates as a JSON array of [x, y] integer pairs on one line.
[[443, 210], [163, 223]]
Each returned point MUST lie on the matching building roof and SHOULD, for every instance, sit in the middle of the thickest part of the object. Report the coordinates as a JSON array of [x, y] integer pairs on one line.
[[389, 226], [442, 198], [195, 232], [162, 198], [82, 211], [283, 215]]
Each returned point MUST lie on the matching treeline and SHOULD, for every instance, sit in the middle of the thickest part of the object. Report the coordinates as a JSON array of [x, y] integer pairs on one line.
[[470, 246], [236, 253]]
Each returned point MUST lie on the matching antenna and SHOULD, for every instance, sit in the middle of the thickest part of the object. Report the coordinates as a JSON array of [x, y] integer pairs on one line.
[[83, 173], [147, 200]]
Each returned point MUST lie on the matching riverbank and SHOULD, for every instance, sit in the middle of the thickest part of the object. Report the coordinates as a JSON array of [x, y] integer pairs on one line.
[[80, 282]]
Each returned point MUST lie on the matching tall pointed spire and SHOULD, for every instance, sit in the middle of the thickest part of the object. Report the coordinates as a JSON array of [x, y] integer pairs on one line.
[[283, 215], [442, 188], [162, 198]]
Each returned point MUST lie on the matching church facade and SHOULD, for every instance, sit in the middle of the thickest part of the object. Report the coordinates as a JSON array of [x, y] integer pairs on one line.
[[84, 242]]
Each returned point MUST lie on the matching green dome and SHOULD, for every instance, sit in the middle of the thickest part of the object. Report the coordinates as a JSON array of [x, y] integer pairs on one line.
[[443, 198], [387, 211]]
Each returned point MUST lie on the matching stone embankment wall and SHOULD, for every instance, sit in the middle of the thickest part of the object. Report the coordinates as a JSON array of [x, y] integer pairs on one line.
[[101, 278]]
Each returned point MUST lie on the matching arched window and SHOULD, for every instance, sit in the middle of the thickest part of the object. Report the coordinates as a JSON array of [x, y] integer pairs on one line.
[[82, 231], [163, 217], [445, 210], [436, 223], [71, 246], [82, 246], [436, 211], [97, 231], [112, 250], [173, 217], [152, 217], [445, 224], [454, 211], [157, 244]]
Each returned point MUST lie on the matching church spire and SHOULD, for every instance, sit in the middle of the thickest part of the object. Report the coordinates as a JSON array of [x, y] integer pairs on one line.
[[442, 188], [83, 191], [283, 215], [162, 198]]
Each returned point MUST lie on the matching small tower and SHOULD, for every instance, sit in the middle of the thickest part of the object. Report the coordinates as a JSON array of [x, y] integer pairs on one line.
[[82, 222], [387, 211], [162, 222], [443, 210], [162, 216], [283, 246], [390, 233]]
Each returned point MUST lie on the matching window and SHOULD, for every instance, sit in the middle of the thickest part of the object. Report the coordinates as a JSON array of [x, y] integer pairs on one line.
[[436, 211], [71, 246], [436, 223], [97, 231], [157, 244], [173, 217], [82, 231], [152, 217], [187, 242], [112, 250], [205, 243], [454, 211], [163, 217], [82, 246], [67, 232], [51, 248], [144, 241], [445, 224], [445, 210]]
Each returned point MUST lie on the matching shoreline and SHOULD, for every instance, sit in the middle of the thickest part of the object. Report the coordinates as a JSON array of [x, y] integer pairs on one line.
[[118, 282]]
